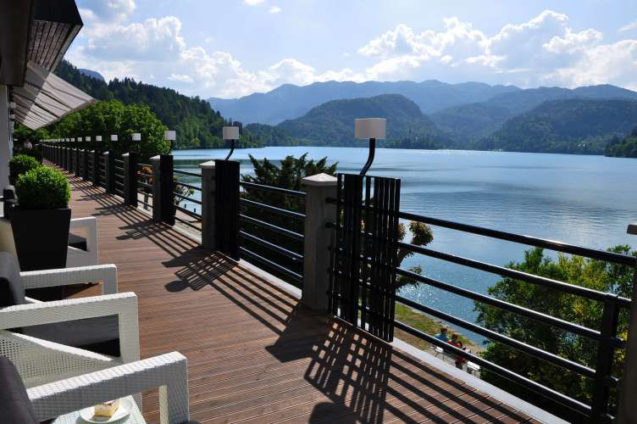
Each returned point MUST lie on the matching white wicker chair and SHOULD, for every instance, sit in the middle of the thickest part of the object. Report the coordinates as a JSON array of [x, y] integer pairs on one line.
[[79, 257], [167, 372]]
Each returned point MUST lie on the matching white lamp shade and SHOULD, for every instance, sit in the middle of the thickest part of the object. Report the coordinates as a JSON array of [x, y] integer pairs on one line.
[[98, 138], [87, 138], [170, 135], [230, 133], [367, 128], [113, 137], [11, 105], [136, 136]]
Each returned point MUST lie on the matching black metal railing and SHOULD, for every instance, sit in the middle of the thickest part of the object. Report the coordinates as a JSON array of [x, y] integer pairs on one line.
[[271, 229], [184, 197], [606, 337]]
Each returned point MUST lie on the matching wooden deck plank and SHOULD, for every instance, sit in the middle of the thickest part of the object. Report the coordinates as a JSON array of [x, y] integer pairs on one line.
[[254, 354]]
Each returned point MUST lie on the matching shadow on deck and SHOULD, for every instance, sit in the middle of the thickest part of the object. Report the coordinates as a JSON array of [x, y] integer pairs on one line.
[[254, 353]]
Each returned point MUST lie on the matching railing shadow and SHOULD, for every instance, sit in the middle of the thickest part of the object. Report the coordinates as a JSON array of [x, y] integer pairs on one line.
[[359, 378]]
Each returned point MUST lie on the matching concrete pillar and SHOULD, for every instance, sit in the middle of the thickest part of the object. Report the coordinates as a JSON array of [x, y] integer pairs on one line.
[[208, 204], [5, 137], [155, 161], [316, 277], [627, 414]]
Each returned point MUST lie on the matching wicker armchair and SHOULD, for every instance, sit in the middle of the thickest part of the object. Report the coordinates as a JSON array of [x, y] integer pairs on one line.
[[167, 372]]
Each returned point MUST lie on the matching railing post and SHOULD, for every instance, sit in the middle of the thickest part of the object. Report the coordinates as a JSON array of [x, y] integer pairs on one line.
[[110, 172], [163, 189], [318, 213], [85, 153], [627, 414], [96, 167], [77, 162], [130, 178], [208, 204], [67, 159], [605, 351], [226, 219]]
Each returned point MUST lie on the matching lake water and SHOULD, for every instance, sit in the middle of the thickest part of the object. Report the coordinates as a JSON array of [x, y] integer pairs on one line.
[[585, 200]]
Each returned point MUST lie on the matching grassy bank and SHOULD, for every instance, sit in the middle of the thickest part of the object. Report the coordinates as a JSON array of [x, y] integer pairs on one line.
[[427, 325]]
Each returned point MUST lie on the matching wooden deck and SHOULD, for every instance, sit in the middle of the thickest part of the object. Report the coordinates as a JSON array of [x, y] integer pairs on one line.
[[254, 355]]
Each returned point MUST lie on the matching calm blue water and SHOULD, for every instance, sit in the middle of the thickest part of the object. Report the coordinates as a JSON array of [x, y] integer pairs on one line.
[[586, 200]]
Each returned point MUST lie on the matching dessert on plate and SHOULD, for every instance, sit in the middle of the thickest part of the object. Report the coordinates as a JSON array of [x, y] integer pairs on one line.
[[106, 409]]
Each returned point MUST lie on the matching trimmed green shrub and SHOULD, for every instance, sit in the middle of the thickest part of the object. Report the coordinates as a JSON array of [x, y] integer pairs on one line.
[[43, 188], [21, 164]]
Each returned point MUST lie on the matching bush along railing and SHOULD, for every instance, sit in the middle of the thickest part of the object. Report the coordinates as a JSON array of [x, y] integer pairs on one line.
[[271, 229], [187, 185]]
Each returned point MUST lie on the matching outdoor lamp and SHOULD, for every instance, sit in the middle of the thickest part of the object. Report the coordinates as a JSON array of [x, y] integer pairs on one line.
[[88, 138], [170, 135], [371, 129], [11, 105], [136, 137], [113, 137], [232, 134]]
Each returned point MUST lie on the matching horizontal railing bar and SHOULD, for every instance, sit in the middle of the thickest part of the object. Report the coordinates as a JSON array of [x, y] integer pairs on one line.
[[118, 161], [192, 174], [145, 203], [183, 221], [187, 212], [290, 254], [272, 227], [271, 208], [189, 199], [295, 276], [142, 174], [141, 165], [538, 316], [139, 183], [528, 240], [493, 335], [188, 185], [264, 187], [119, 183], [518, 275], [547, 392], [119, 168]]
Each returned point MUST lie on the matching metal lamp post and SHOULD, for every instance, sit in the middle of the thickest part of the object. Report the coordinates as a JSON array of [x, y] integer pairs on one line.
[[371, 129], [232, 134]]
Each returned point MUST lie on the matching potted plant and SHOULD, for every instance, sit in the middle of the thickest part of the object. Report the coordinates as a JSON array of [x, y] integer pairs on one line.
[[21, 164], [41, 220]]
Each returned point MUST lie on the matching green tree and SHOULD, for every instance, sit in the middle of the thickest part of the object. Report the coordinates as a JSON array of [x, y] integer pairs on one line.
[[576, 270], [113, 117]]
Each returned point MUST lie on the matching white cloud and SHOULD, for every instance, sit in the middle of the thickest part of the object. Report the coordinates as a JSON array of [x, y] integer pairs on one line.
[[274, 9], [107, 10], [545, 50], [629, 27]]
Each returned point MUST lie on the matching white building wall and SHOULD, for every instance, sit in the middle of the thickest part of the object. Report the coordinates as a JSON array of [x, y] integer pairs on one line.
[[5, 137]]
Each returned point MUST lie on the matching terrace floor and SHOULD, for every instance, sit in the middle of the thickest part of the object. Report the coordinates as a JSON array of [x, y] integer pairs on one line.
[[254, 354]]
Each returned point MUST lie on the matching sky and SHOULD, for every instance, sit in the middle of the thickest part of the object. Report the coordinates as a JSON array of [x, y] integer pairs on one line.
[[233, 48]]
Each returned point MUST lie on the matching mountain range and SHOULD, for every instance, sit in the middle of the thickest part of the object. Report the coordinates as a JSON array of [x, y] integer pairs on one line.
[[291, 101], [505, 117]]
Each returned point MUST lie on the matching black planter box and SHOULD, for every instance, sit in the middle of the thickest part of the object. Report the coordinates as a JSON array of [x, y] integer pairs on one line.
[[41, 237]]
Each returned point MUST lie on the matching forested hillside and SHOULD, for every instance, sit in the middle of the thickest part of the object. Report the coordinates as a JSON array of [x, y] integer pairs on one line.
[[197, 125], [565, 126], [625, 148], [333, 122]]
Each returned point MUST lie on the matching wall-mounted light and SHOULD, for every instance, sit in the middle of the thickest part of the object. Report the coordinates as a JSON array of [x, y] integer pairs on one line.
[[371, 129], [232, 134], [170, 136]]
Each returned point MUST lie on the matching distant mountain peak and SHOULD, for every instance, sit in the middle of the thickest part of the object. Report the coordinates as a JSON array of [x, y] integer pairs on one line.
[[92, 74]]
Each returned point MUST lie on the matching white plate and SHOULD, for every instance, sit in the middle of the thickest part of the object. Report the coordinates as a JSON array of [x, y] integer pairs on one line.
[[88, 414]]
